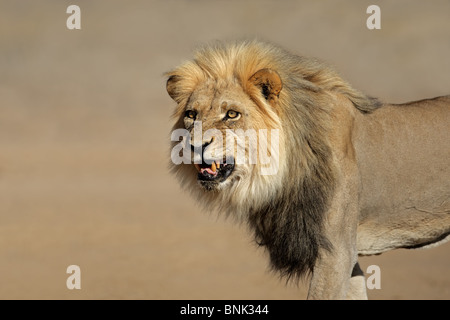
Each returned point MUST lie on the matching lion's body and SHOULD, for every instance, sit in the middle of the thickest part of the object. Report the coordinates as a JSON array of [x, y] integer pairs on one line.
[[403, 154], [354, 176]]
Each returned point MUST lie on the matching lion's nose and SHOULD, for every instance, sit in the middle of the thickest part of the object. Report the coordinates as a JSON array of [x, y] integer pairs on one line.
[[201, 148]]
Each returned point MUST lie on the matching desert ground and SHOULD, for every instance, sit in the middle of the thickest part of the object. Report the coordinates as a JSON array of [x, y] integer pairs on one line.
[[85, 130]]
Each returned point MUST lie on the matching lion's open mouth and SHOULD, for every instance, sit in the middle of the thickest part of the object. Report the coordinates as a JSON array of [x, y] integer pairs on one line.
[[215, 171]]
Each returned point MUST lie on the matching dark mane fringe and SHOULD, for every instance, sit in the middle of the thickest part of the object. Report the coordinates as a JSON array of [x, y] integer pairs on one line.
[[290, 226]]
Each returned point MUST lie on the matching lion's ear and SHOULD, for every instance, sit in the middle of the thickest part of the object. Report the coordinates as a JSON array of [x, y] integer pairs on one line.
[[171, 87], [269, 82]]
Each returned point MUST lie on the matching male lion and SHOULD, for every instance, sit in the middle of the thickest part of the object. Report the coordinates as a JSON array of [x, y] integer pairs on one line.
[[353, 176]]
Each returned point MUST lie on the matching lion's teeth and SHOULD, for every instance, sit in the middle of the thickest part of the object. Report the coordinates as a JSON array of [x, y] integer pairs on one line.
[[213, 166]]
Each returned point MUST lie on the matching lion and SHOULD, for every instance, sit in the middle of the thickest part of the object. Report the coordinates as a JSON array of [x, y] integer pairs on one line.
[[353, 175]]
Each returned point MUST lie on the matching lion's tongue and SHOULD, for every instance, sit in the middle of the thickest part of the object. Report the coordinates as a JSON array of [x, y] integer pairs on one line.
[[209, 171]]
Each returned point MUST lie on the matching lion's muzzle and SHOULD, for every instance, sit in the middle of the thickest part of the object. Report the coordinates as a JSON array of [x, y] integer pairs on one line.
[[210, 170]]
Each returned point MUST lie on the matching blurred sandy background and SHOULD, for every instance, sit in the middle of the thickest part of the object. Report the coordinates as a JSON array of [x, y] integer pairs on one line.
[[84, 131]]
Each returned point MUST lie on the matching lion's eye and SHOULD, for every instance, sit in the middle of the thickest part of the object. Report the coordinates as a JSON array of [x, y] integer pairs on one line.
[[191, 114], [231, 114]]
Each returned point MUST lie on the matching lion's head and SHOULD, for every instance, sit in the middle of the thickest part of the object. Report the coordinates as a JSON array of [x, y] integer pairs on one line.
[[223, 126], [231, 114], [270, 103]]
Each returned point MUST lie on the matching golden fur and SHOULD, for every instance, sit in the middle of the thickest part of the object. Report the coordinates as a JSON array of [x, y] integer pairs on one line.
[[308, 213]]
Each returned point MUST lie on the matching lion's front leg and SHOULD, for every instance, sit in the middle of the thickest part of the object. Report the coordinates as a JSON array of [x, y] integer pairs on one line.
[[333, 271], [357, 289], [331, 278]]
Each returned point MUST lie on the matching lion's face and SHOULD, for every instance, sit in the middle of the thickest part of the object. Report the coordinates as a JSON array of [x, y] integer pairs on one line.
[[213, 116], [232, 144]]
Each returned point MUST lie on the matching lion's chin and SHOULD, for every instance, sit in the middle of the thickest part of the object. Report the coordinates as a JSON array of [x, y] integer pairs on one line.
[[209, 185]]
